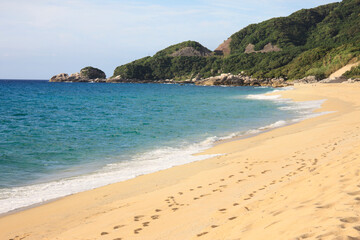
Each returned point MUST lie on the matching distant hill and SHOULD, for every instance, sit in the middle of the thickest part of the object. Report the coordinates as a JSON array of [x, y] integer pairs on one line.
[[315, 41]]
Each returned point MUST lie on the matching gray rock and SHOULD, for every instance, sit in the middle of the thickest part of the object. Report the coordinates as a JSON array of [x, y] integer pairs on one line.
[[334, 80], [305, 80], [62, 77], [240, 80]]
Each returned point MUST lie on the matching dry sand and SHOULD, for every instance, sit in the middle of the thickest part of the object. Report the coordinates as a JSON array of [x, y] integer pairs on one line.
[[343, 70], [296, 182]]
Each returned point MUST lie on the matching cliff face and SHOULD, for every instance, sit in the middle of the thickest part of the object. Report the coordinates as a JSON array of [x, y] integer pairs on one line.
[[224, 48]]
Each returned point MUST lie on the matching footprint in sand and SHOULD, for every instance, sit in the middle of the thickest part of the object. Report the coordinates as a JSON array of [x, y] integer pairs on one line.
[[352, 238], [204, 195], [137, 231], [201, 234], [357, 228], [104, 233], [349, 220], [137, 218], [118, 226], [354, 193], [214, 226], [157, 210], [145, 224], [232, 218], [155, 217]]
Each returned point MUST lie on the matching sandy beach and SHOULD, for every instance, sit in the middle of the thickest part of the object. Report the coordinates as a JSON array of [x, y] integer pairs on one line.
[[300, 181]]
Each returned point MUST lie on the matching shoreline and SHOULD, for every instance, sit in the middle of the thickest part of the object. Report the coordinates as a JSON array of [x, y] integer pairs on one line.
[[192, 150], [212, 184]]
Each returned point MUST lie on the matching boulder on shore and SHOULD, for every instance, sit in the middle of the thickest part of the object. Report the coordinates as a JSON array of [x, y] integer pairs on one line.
[[229, 79]]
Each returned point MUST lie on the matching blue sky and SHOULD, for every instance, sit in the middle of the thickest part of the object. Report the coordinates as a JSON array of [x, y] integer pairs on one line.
[[41, 38]]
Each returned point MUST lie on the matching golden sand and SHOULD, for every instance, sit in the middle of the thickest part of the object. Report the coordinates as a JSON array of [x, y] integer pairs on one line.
[[296, 182]]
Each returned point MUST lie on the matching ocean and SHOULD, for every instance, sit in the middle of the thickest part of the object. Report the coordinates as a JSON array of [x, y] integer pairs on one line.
[[58, 139]]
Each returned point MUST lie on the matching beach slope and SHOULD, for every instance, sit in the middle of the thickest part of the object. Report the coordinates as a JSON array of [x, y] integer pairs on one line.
[[295, 182]]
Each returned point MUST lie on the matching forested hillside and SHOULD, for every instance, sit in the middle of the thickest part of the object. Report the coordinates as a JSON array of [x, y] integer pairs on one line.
[[314, 41]]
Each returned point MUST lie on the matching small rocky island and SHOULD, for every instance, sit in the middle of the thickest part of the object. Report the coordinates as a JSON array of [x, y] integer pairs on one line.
[[87, 74]]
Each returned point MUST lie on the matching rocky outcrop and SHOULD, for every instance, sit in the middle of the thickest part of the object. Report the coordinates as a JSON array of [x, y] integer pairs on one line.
[[229, 79], [62, 77], [87, 74], [191, 52], [353, 80], [250, 48], [92, 73], [224, 48], [334, 80], [305, 80]]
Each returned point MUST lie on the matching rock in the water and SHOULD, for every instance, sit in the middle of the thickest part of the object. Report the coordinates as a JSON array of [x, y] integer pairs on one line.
[[62, 77], [115, 79], [88, 74], [92, 73]]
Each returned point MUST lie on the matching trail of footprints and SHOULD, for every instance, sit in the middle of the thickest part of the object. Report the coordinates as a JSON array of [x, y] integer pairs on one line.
[[296, 162], [173, 204], [350, 222], [302, 165]]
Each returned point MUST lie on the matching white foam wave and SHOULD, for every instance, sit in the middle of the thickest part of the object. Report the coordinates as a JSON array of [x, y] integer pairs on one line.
[[152, 161], [275, 125], [307, 106], [262, 87], [263, 97]]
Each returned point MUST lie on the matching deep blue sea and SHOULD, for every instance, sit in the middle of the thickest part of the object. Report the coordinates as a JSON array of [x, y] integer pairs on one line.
[[60, 138]]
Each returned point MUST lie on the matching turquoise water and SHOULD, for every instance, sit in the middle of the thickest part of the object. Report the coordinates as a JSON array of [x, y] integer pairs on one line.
[[61, 138]]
